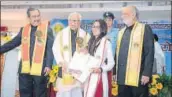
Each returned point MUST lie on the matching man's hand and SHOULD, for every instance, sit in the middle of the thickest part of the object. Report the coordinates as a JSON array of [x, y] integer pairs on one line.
[[114, 78], [144, 80], [47, 70], [84, 50], [64, 66]]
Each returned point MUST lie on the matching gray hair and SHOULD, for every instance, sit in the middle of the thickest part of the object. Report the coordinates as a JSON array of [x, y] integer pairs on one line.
[[75, 13], [31, 9], [134, 10]]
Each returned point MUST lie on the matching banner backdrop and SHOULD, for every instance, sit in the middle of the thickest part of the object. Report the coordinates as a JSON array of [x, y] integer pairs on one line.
[[162, 28]]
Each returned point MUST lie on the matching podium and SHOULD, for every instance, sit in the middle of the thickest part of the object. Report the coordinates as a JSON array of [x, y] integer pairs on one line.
[[2, 68], [9, 76]]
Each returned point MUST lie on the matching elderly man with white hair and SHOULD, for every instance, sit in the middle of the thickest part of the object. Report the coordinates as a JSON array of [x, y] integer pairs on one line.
[[134, 56], [63, 49]]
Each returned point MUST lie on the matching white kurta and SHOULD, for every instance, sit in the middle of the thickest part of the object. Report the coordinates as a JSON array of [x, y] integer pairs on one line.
[[89, 92], [66, 90], [160, 58]]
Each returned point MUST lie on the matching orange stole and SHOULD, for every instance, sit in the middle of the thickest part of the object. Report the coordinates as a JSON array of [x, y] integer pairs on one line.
[[134, 53], [39, 49]]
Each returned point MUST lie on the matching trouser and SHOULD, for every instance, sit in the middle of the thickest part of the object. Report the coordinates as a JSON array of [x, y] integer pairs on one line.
[[130, 91], [32, 86]]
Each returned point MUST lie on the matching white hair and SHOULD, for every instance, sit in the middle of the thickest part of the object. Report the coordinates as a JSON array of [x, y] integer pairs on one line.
[[75, 13]]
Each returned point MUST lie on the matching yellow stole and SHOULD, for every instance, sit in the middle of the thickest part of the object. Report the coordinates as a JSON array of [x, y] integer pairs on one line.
[[39, 49], [68, 47], [134, 53], [66, 51]]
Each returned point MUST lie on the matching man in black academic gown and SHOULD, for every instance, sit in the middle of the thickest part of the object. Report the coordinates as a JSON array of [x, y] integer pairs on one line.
[[134, 56], [29, 84]]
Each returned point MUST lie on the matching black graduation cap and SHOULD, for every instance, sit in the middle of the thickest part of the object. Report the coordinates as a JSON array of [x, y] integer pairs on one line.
[[108, 14]]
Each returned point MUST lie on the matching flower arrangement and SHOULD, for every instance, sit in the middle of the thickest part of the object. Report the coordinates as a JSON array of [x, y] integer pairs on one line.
[[155, 86], [5, 38], [161, 86], [52, 76], [166, 81]]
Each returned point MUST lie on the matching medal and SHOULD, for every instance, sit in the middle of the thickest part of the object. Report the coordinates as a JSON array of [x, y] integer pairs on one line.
[[65, 48]]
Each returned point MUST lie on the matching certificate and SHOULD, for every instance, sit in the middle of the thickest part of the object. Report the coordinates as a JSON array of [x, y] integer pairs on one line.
[[83, 63]]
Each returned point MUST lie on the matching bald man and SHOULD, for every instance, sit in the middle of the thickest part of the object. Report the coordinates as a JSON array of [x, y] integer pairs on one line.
[[134, 55], [63, 49]]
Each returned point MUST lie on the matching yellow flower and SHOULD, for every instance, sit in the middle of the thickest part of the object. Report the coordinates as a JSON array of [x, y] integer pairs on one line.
[[154, 81], [6, 39], [55, 66], [159, 86], [51, 73], [52, 79], [114, 91], [114, 84], [155, 76], [153, 91], [55, 70]]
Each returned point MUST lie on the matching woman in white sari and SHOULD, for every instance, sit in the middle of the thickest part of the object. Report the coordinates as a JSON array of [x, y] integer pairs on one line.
[[100, 47]]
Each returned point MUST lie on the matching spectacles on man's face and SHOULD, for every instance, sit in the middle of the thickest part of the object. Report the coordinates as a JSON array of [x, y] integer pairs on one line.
[[125, 14], [74, 20], [35, 16]]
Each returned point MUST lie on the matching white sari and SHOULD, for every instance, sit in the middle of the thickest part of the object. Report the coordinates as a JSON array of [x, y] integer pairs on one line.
[[104, 51]]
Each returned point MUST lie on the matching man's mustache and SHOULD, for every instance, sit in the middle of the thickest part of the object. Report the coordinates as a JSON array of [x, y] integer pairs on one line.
[[36, 20]]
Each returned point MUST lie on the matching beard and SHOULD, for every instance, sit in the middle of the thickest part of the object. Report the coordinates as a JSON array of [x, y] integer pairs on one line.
[[128, 22]]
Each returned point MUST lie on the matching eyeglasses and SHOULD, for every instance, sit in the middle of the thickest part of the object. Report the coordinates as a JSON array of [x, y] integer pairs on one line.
[[96, 27], [35, 16], [124, 14], [74, 20]]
